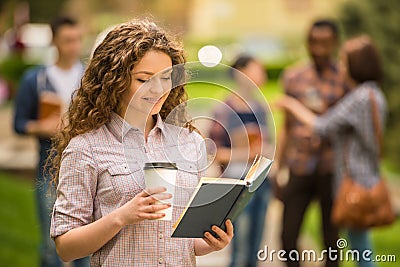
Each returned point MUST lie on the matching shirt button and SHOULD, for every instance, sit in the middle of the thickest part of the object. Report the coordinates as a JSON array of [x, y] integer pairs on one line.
[[160, 260], [161, 236]]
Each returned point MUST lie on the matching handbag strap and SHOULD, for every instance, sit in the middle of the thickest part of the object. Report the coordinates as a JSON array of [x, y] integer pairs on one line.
[[377, 131], [375, 120]]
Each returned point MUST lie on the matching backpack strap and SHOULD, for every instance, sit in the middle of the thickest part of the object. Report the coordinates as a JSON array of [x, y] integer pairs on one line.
[[41, 80]]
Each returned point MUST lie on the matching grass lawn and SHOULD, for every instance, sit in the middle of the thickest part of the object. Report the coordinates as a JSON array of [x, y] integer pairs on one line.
[[19, 229], [271, 92]]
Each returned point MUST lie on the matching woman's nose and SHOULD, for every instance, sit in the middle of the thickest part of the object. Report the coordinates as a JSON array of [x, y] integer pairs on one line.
[[156, 86]]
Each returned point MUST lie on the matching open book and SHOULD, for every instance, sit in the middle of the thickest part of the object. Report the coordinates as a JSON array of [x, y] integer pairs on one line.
[[217, 199]]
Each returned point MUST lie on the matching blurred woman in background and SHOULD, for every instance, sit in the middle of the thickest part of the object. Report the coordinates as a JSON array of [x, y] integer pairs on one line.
[[240, 133]]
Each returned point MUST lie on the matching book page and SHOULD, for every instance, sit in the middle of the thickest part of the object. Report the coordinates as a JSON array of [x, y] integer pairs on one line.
[[250, 175], [263, 167], [209, 180]]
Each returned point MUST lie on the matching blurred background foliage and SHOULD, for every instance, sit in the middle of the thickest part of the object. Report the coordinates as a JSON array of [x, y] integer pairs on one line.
[[273, 31], [381, 20]]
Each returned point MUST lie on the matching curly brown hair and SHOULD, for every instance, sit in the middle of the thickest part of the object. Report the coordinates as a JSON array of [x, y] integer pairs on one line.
[[108, 76]]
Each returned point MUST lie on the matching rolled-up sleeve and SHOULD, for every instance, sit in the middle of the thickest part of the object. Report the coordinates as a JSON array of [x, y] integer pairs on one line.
[[76, 188], [26, 102], [340, 116]]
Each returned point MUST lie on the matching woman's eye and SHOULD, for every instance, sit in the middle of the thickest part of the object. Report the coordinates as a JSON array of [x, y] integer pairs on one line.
[[166, 78], [141, 80]]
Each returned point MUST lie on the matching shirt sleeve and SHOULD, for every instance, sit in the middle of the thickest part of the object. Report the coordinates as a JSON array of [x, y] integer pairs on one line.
[[342, 115], [76, 188], [26, 102]]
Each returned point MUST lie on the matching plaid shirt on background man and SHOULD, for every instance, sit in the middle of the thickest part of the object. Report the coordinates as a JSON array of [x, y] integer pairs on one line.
[[306, 152]]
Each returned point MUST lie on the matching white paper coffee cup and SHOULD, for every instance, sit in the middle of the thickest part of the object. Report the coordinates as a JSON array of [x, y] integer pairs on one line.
[[163, 174]]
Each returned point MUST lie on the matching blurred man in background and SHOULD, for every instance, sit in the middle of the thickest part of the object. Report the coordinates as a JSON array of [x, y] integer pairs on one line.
[[309, 159], [43, 95]]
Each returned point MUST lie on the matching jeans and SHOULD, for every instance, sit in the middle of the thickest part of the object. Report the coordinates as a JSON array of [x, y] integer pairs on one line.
[[248, 228], [361, 241], [45, 202]]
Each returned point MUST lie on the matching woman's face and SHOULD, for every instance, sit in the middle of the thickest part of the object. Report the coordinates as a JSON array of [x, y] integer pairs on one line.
[[151, 83], [253, 71]]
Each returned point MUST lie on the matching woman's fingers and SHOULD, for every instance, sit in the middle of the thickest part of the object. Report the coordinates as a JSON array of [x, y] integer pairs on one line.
[[151, 191], [152, 216], [224, 237], [157, 197], [229, 228], [149, 202], [155, 208], [212, 241]]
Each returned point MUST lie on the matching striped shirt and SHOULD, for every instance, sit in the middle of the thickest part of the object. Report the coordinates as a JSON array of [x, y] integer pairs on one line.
[[350, 125], [239, 129], [103, 169]]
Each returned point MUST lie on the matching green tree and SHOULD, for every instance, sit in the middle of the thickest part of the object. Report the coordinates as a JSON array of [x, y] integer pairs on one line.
[[381, 20], [43, 10]]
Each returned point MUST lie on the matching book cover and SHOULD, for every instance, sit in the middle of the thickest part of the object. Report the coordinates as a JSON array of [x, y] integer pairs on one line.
[[217, 199]]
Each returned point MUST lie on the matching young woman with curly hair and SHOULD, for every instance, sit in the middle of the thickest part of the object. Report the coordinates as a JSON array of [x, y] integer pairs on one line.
[[116, 123]]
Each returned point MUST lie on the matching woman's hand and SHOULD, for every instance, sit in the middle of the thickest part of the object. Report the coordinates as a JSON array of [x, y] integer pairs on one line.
[[144, 206], [285, 102], [297, 109], [47, 127], [224, 238], [209, 243], [85, 240]]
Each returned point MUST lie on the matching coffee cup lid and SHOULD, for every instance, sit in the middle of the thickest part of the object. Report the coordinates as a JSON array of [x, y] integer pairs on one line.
[[164, 165]]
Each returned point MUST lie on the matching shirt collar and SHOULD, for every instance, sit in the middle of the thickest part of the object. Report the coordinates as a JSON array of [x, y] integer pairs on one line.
[[160, 124], [120, 127]]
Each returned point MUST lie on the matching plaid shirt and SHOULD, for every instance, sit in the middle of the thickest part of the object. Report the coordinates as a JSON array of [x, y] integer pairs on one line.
[[305, 152], [350, 124], [103, 169]]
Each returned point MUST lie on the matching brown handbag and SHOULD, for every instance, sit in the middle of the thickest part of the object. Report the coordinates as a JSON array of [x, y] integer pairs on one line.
[[356, 206]]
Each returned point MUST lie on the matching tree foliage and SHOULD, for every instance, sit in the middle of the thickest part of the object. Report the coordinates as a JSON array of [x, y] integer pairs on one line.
[[381, 20], [44, 10]]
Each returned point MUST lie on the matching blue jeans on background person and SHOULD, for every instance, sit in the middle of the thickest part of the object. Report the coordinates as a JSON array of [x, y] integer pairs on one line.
[[45, 202], [360, 240], [248, 229]]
